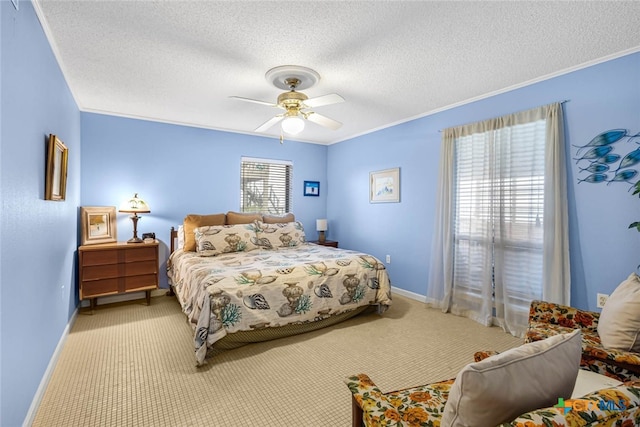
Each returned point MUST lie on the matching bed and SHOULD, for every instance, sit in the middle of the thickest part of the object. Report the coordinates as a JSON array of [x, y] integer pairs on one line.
[[253, 281]]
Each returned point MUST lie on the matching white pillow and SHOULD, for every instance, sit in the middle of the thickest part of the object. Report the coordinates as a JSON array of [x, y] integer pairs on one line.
[[500, 388], [280, 235], [587, 382], [180, 237], [619, 323], [212, 240]]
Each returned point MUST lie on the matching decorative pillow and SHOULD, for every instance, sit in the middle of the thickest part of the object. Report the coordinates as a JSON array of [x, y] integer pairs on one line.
[[277, 219], [242, 218], [180, 237], [619, 323], [193, 221], [280, 235], [588, 382], [221, 239], [500, 388]]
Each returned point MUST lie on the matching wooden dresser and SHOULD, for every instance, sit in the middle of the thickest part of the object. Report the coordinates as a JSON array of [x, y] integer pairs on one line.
[[117, 268]]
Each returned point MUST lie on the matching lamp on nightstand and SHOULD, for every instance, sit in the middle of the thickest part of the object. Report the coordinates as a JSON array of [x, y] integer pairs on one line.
[[321, 227], [135, 206]]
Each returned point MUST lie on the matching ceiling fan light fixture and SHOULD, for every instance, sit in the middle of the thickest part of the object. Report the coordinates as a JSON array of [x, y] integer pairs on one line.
[[292, 125]]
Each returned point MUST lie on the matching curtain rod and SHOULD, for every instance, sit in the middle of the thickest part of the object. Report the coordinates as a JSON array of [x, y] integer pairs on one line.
[[560, 102]]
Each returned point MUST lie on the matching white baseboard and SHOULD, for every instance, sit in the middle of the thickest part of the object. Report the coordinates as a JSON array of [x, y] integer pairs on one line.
[[409, 294], [44, 382]]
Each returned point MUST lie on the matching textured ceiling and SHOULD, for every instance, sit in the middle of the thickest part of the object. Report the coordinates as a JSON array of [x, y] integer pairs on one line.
[[180, 61]]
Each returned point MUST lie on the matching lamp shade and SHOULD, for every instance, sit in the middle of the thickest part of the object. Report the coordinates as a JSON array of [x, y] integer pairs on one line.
[[135, 205], [293, 125], [321, 224]]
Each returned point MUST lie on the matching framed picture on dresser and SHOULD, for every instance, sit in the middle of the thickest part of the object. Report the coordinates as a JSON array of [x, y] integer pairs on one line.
[[98, 224]]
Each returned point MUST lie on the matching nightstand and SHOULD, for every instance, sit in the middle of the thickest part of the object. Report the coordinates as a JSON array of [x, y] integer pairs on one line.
[[331, 243], [117, 268]]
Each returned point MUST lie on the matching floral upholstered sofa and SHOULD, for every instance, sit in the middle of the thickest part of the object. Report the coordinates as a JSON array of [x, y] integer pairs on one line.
[[424, 406], [547, 319], [431, 404]]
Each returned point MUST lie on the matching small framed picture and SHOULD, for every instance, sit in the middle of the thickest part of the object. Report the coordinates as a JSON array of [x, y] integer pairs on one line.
[[311, 188], [384, 186], [55, 187], [98, 224]]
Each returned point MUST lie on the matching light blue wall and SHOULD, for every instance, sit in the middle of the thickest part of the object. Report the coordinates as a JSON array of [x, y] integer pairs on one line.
[[37, 249], [180, 170], [603, 251]]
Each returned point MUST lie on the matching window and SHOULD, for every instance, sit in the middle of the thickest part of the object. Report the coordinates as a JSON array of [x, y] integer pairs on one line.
[[265, 185], [501, 231], [498, 213]]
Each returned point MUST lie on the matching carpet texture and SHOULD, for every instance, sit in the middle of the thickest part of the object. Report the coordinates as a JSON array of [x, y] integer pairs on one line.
[[132, 365]]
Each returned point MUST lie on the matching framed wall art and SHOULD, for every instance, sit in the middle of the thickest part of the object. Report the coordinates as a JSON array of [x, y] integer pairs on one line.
[[384, 186], [56, 173], [98, 224], [311, 188]]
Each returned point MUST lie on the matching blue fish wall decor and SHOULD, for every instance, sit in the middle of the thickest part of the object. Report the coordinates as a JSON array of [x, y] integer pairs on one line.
[[602, 157]]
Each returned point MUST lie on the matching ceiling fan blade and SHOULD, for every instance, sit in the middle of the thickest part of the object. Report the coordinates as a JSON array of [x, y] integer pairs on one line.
[[323, 120], [319, 101], [256, 101], [272, 121]]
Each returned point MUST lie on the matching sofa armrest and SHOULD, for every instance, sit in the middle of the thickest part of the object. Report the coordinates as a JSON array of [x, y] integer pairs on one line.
[[481, 355], [370, 404], [611, 406], [563, 315]]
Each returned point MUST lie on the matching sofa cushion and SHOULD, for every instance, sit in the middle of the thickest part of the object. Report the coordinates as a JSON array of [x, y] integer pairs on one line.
[[501, 387], [619, 325], [594, 356], [588, 382], [615, 406]]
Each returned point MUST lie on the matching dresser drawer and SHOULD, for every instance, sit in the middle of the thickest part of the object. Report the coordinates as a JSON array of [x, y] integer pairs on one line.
[[138, 282], [99, 257], [95, 272], [142, 254], [98, 287], [141, 267]]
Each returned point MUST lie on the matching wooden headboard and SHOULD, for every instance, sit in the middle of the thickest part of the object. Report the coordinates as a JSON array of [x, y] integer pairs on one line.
[[174, 238]]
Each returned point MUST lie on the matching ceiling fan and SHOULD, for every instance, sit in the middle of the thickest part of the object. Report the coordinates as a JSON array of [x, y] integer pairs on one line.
[[296, 105]]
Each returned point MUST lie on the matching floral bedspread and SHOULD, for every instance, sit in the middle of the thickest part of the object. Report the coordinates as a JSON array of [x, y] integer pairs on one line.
[[243, 291]]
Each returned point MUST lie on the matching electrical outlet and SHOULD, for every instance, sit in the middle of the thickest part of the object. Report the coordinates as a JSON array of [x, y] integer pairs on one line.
[[602, 300], [388, 259]]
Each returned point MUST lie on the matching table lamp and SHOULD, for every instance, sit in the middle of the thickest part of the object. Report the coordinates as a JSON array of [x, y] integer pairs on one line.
[[321, 227], [135, 206]]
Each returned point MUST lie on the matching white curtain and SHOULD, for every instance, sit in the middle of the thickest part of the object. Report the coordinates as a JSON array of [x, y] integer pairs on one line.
[[501, 231]]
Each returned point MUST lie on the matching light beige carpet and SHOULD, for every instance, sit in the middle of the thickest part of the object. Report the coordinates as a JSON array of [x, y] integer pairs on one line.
[[133, 365]]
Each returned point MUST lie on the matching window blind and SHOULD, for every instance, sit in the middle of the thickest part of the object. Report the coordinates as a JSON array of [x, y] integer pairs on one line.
[[265, 185], [498, 211]]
